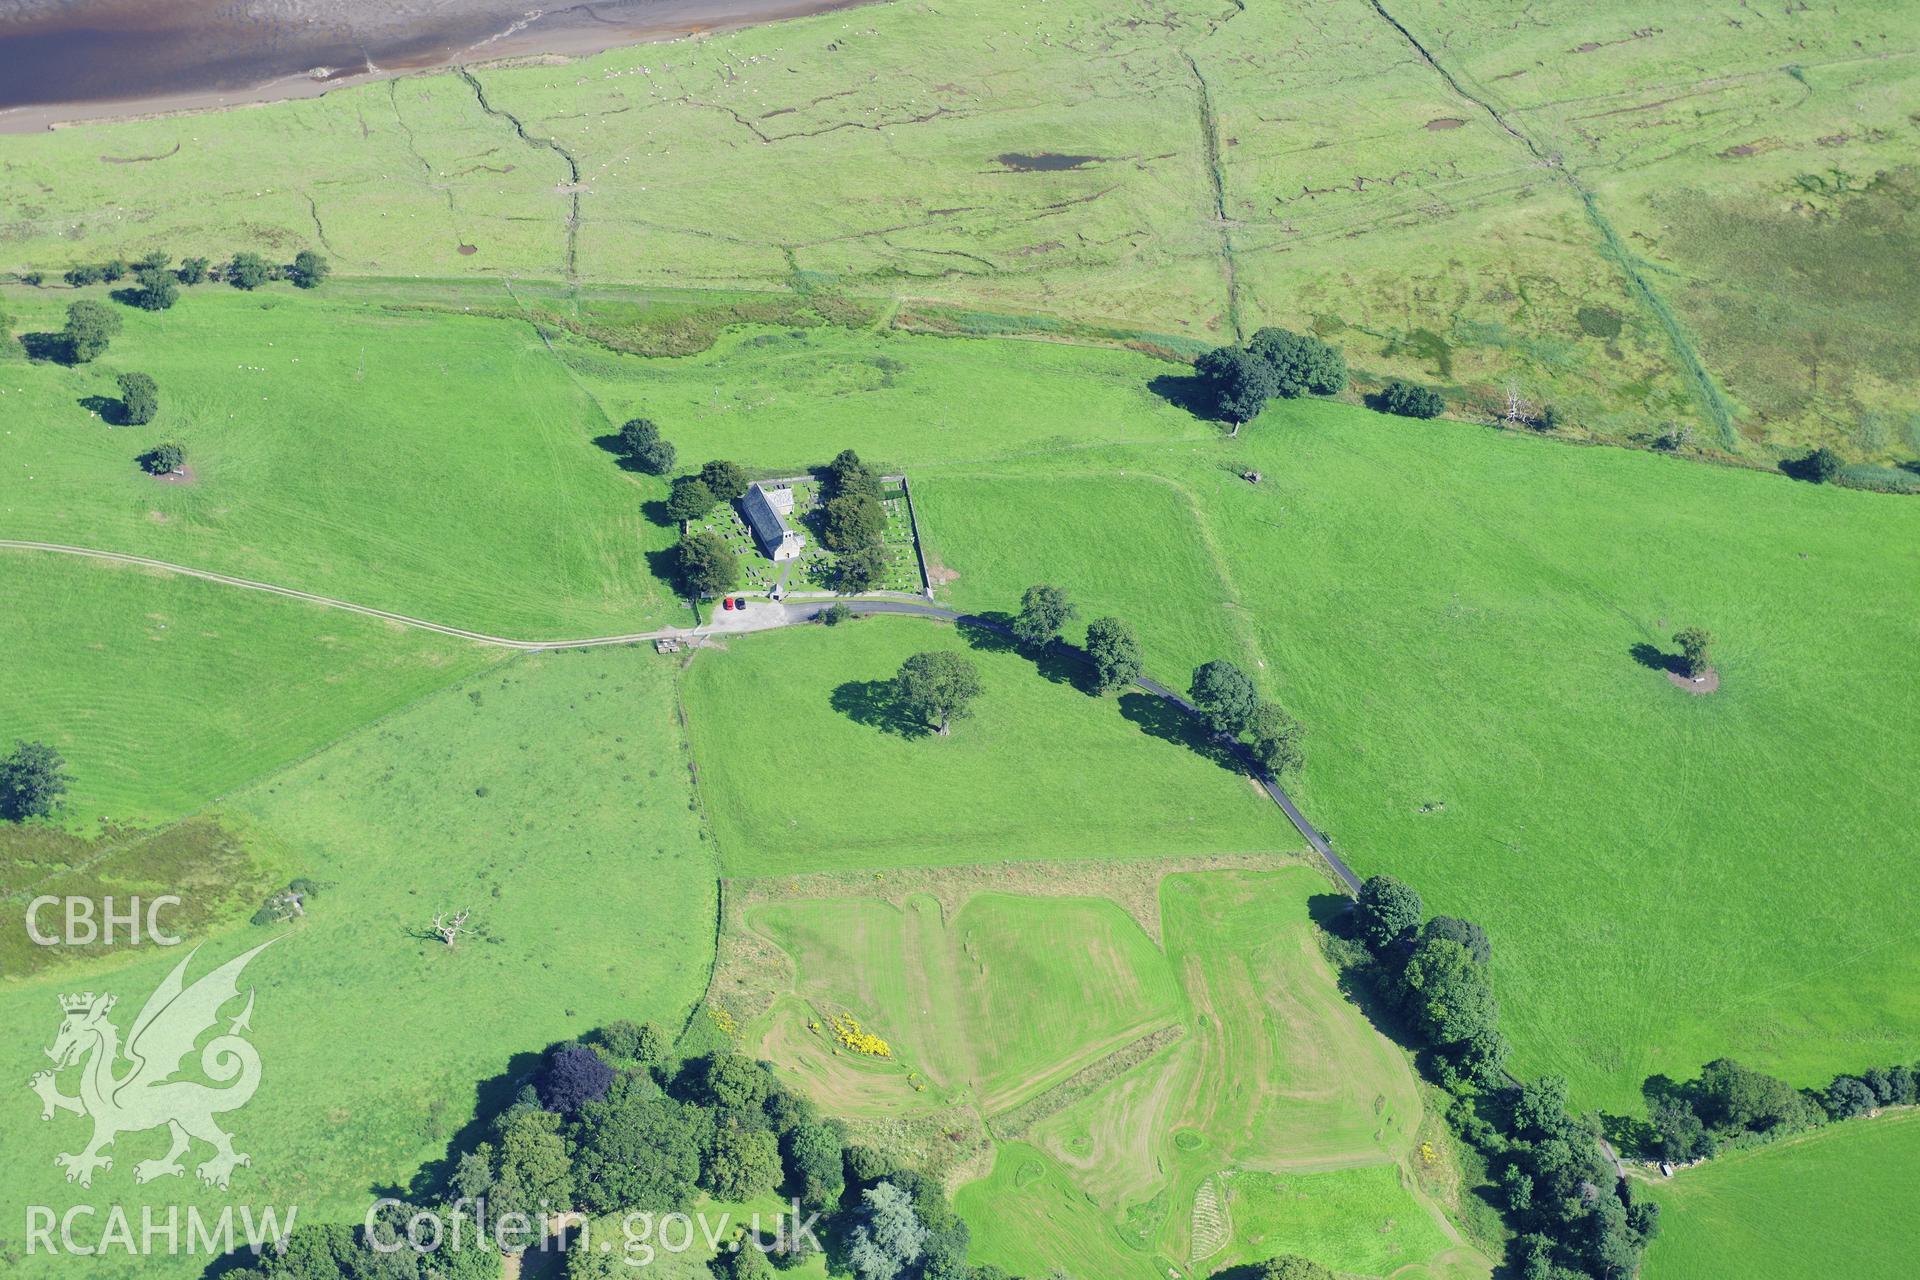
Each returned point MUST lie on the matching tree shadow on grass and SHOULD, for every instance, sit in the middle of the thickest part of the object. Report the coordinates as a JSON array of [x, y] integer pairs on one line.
[[1800, 468], [655, 510], [986, 632], [1164, 720], [1062, 663], [1653, 658], [875, 704], [622, 459], [1186, 391], [50, 347], [491, 1097], [112, 412]]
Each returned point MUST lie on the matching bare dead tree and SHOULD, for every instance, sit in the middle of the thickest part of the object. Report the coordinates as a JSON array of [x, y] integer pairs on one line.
[[1516, 406], [450, 931]]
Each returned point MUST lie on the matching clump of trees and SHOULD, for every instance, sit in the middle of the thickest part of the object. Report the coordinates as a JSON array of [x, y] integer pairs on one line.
[[620, 1123], [248, 270], [852, 516], [644, 449], [937, 687], [91, 327], [33, 781], [1731, 1106], [1572, 1214], [139, 399], [1233, 708], [1276, 362], [1411, 400]]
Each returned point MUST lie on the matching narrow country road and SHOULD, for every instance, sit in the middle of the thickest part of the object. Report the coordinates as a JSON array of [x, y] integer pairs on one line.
[[760, 617]]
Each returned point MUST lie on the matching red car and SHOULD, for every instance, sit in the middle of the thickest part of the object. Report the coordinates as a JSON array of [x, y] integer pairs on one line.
[[726, 602]]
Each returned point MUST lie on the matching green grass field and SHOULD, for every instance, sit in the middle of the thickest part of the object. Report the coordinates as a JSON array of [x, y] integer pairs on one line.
[[1594, 206], [1453, 613], [165, 693], [1266, 1117], [1830, 1203], [804, 767], [549, 796], [431, 464]]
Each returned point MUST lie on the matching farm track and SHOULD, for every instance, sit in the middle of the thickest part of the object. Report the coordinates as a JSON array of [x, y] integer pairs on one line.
[[763, 619]]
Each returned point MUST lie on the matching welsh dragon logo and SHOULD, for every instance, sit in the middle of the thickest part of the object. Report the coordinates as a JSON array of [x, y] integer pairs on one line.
[[142, 1094]]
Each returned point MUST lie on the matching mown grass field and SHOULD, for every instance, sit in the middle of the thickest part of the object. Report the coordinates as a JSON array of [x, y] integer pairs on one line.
[[1830, 1203], [1266, 1091], [1594, 205], [165, 693], [805, 765], [550, 797]]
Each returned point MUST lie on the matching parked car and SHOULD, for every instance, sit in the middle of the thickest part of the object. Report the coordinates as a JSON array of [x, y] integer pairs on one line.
[[726, 602], [740, 603]]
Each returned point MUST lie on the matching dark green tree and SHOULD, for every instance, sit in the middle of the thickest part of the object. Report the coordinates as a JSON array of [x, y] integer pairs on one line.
[[1389, 911], [639, 1153], [741, 1164], [1465, 932], [193, 270], [1848, 1097], [689, 498], [248, 271], [1302, 365], [157, 289], [154, 261], [1277, 739], [1411, 400], [1238, 383], [309, 269], [727, 480], [847, 474], [82, 276], [90, 327], [707, 564], [643, 447], [1682, 1136], [33, 778], [164, 459], [113, 269], [1448, 992], [835, 614], [814, 1164], [532, 1172], [938, 687], [730, 1082], [1115, 654], [852, 520], [1293, 1266], [861, 569], [1225, 696], [1695, 643], [139, 399], [1044, 609], [1822, 465]]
